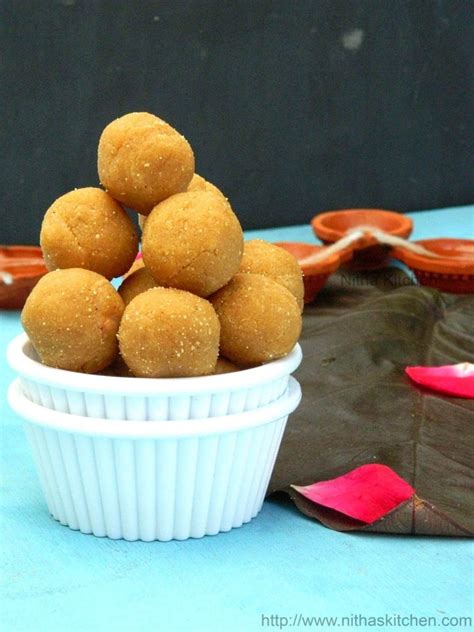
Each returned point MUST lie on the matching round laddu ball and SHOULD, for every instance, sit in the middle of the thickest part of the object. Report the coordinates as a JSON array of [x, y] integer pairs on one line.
[[86, 228], [72, 318], [142, 160], [136, 283], [262, 257], [198, 183], [169, 333], [193, 241], [260, 319]]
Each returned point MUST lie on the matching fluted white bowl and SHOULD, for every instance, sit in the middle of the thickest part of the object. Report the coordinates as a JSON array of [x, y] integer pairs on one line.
[[149, 399], [154, 480]]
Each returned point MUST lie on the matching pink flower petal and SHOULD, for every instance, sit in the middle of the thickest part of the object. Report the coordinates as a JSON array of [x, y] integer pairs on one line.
[[453, 379], [366, 493], [139, 256]]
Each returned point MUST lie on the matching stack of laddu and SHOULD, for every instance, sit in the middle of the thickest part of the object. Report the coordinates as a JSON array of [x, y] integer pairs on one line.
[[199, 302]]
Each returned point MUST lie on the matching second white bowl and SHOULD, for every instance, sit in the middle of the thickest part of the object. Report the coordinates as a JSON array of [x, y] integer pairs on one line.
[[154, 480], [149, 399]]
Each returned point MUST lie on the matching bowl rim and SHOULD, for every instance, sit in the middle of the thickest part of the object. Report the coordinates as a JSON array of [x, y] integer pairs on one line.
[[441, 265], [326, 233], [27, 367], [100, 427]]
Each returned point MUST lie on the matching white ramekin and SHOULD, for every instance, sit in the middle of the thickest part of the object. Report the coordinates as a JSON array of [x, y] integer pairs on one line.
[[145, 399], [154, 480]]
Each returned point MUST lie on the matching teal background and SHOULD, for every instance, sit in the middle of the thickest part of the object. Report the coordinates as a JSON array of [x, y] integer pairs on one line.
[[282, 563]]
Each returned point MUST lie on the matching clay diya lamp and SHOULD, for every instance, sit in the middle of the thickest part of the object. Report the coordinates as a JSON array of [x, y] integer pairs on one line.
[[452, 270], [315, 274], [368, 253], [21, 267]]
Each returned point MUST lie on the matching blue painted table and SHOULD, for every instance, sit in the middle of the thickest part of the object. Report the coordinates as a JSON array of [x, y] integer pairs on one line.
[[276, 572]]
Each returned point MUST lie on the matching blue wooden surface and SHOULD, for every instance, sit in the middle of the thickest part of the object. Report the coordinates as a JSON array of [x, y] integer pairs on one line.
[[281, 564]]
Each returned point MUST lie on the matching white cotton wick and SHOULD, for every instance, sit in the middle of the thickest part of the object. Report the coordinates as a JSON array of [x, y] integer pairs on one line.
[[393, 240], [357, 233], [6, 277], [348, 239]]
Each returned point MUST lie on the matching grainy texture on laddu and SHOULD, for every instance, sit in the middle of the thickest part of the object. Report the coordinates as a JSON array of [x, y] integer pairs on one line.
[[262, 257], [193, 241], [142, 160], [86, 228], [169, 333], [260, 319], [72, 318], [198, 183]]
